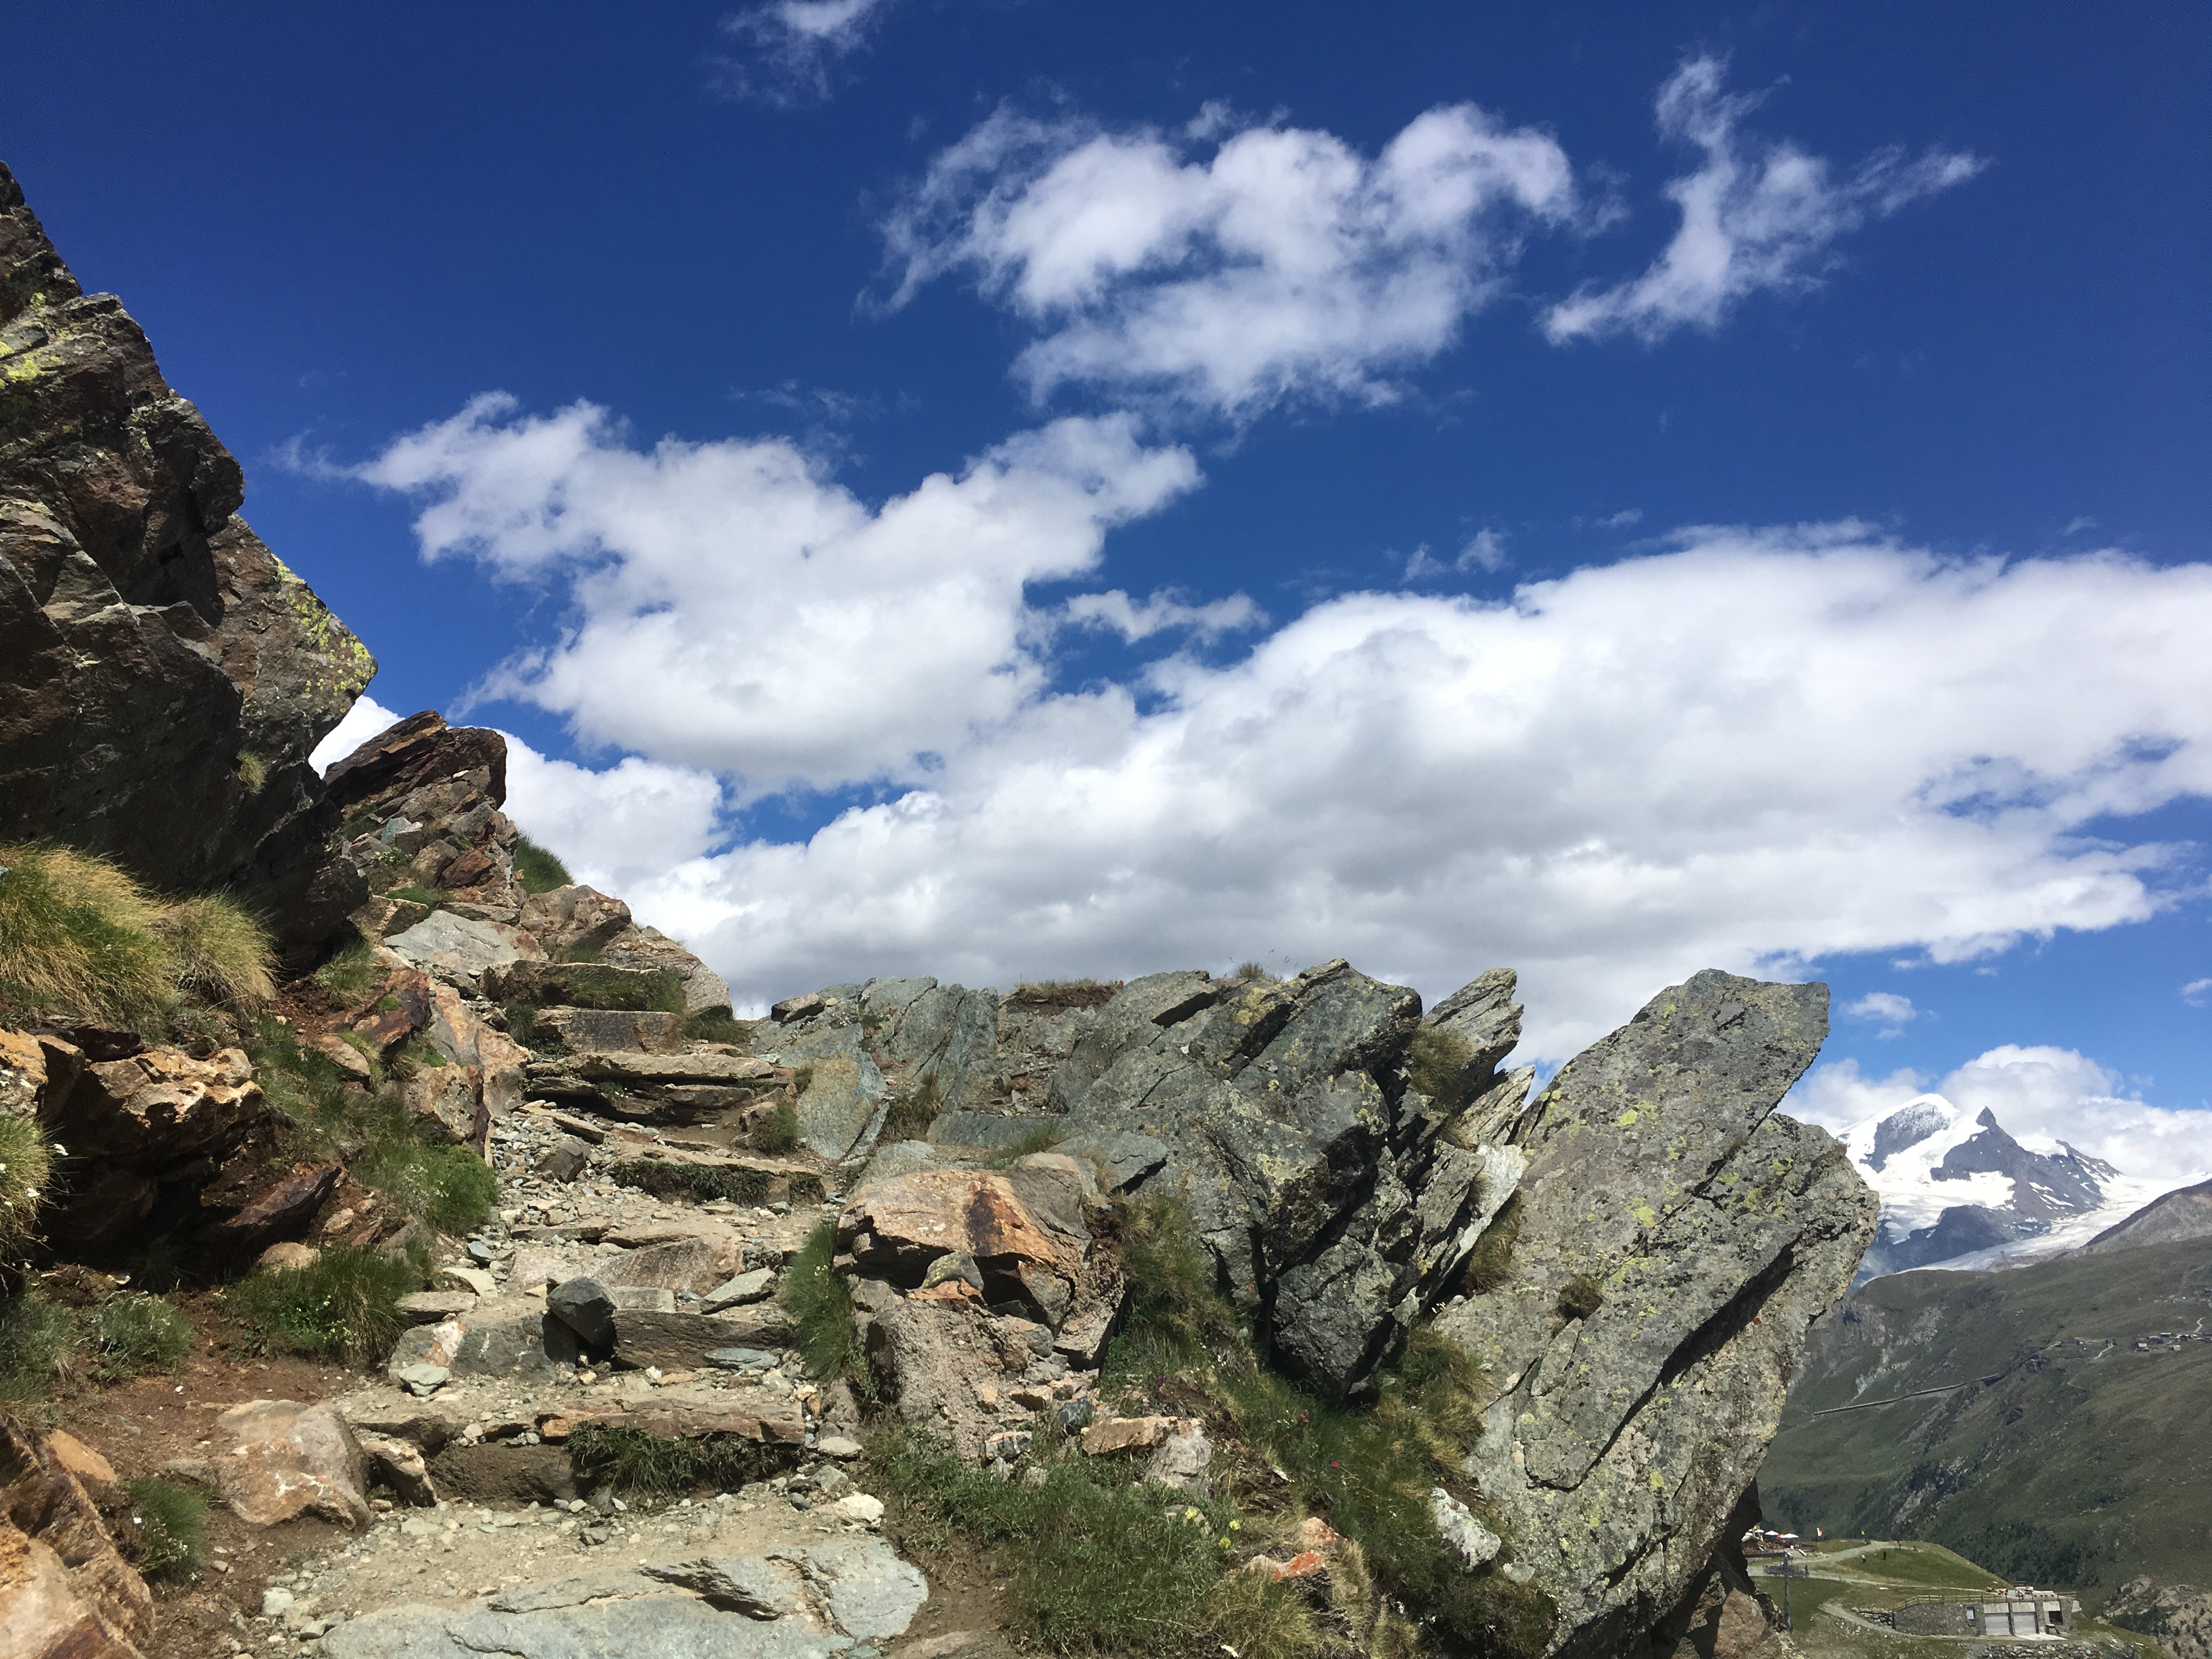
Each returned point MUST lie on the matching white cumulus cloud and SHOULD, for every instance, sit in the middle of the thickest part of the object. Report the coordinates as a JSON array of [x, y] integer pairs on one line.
[[1230, 272], [1753, 750], [740, 613], [791, 48], [1754, 216], [1887, 1009]]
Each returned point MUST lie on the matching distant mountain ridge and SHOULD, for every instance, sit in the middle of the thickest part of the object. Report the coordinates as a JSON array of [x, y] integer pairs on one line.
[[1959, 1192], [2185, 1213]]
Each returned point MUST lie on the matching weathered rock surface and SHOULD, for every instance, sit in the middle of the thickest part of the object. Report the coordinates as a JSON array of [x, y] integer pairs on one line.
[[458, 950], [275, 1460], [162, 1143], [1675, 1239], [1323, 1185], [65, 1593], [163, 676], [807, 1601], [2179, 1615]]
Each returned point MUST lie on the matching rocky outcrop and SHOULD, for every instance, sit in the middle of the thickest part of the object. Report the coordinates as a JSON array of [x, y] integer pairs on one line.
[[163, 676], [65, 1591], [2179, 1615], [275, 1460], [1324, 1185], [984, 1302], [1675, 1238]]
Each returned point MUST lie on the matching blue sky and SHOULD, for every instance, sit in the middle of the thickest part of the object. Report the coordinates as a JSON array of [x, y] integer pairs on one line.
[[1318, 335]]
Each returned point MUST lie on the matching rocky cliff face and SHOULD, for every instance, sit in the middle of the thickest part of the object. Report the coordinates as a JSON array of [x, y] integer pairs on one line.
[[163, 676]]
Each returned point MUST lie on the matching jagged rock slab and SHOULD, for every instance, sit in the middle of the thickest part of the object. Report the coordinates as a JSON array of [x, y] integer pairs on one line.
[[455, 948], [1708, 1233], [1294, 1143], [609, 1028], [148, 641]]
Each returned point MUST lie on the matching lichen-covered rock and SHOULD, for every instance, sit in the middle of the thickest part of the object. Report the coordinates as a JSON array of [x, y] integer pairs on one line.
[[1320, 1181], [163, 677], [1675, 1240]]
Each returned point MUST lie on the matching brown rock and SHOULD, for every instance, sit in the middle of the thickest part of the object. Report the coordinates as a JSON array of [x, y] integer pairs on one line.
[[159, 1105], [1112, 1434], [79, 1459], [399, 1466], [286, 1258], [470, 868], [45, 1616], [799, 1007], [276, 1459], [285, 1201], [419, 751], [569, 918], [896, 1228], [61, 1582], [448, 1101], [148, 641], [681, 1341]]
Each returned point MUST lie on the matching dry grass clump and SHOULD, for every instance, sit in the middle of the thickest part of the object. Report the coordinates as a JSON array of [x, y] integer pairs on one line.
[[83, 940], [26, 1159]]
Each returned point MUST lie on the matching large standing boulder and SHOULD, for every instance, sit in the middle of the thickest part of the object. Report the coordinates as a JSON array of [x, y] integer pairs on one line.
[[1674, 1239], [163, 677]]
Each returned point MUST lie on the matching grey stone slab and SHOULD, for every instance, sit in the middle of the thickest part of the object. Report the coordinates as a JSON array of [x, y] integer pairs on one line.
[[672, 1626], [870, 1593]]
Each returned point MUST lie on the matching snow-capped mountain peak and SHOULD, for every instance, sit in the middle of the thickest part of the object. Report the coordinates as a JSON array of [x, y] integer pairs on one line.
[[1957, 1191]]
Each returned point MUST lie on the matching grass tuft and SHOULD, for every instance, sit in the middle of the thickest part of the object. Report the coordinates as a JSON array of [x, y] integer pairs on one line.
[[630, 1461], [135, 1333], [1256, 972], [160, 1528], [1367, 1472], [219, 952], [717, 1025], [253, 771], [779, 1134], [351, 973], [26, 1161], [914, 1110], [78, 937], [820, 1304], [38, 1347], [1094, 1561], [1435, 1061], [1042, 1139], [698, 1181], [81, 940], [537, 869], [344, 1305], [432, 897], [1258, 1617], [449, 1187], [1490, 1264], [1580, 1298]]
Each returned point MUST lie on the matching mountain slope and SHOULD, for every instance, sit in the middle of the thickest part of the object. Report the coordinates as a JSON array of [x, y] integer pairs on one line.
[[1957, 1191], [2186, 1213], [2072, 1455]]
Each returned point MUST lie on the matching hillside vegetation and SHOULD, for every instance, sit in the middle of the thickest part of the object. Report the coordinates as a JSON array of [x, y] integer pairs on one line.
[[2058, 1462]]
